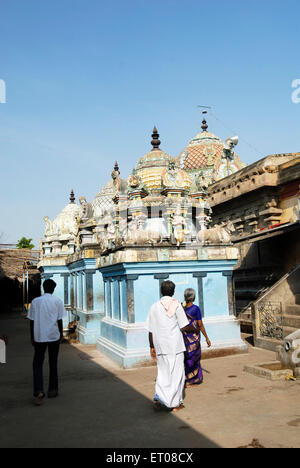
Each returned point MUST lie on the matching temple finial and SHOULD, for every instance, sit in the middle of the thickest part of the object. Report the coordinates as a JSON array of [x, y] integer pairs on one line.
[[155, 139], [72, 197], [204, 123]]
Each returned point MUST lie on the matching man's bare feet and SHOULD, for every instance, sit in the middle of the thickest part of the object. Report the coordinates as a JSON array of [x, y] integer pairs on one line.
[[180, 407], [157, 406]]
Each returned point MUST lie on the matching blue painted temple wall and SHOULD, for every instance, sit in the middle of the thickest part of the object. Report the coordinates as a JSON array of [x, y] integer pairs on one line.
[[112, 303]]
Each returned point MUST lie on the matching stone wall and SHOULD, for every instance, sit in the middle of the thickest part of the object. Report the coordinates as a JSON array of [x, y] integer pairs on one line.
[[262, 202]]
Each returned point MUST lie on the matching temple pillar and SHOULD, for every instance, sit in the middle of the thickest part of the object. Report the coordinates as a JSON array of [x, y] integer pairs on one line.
[[72, 291], [89, 315], [80, 289], [123, 300], [115, 299], [123, 336], [130, 279], [60, 275], [200, 276], [107, 298], [161, 277], [87, 299]]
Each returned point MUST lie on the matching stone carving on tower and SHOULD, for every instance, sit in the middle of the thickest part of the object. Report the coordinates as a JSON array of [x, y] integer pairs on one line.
[[179, 226], [175, 180], [86, 209]]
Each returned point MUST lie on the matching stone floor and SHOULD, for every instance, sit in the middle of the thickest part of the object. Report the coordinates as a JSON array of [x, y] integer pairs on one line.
[[102, 405]]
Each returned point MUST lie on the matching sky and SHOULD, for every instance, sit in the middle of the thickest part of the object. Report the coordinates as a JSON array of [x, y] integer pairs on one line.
[[86, 81]]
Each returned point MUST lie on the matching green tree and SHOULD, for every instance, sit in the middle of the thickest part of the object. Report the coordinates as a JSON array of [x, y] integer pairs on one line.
[[25, 244]]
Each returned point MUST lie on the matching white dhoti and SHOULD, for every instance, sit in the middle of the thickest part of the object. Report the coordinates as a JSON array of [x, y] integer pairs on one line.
[[170, 380], [2, 352]]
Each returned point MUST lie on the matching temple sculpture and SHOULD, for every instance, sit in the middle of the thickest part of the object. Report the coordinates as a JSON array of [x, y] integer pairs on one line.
[[109, 256]]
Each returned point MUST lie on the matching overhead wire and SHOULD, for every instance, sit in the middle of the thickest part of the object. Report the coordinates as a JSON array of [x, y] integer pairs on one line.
[[256, 150]]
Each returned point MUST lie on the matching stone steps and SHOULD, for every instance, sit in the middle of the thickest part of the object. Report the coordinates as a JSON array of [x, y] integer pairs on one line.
[[245, 319], [250, 283], [292, 310], [240, 280], [291, 321], [246, 314]]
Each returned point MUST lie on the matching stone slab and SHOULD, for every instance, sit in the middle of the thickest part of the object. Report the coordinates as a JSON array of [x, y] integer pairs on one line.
[[269, 370]]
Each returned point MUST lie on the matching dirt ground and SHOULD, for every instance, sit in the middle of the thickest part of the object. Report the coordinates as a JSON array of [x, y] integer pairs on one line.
[[101, 405]]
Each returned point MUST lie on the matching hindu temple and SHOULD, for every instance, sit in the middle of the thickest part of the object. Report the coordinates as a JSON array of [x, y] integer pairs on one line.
[[110, 255]]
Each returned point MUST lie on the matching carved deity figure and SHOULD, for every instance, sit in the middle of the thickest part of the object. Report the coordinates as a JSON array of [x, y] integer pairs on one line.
[[121, 231], [75, 226], [101, 239], [111, 228], [179, 225], [120, 185], [86, 210], [48, 226], [201, 183], [52, 228], [173, 177], [134, 181], [122, 227], [116, 179]]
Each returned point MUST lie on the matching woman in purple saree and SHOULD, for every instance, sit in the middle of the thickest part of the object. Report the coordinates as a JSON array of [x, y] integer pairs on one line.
[[193, 369]]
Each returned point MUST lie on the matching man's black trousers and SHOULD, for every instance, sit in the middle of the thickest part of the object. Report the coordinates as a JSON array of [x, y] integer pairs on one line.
[[38, 362]]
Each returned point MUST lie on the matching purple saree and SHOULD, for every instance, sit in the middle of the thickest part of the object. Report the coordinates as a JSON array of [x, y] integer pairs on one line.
[[193, 370]]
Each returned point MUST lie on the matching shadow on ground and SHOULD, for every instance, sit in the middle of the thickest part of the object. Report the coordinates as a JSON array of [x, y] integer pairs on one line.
[[95, 407]]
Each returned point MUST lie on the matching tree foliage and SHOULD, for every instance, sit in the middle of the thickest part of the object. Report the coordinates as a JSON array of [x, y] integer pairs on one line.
[[25, 244]]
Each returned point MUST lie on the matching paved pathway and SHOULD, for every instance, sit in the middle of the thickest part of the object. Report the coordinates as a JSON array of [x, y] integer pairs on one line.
[[102, 405]]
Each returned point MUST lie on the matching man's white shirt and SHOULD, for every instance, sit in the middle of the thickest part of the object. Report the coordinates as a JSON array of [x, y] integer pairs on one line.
[[166, 331], [45, 311]]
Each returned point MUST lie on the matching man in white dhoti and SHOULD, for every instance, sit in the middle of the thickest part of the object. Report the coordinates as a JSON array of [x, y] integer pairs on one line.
[[3, 342], [166, 322]]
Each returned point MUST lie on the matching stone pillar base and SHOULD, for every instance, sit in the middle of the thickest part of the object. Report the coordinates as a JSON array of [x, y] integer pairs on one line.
[[89, 327], [126, 344]]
